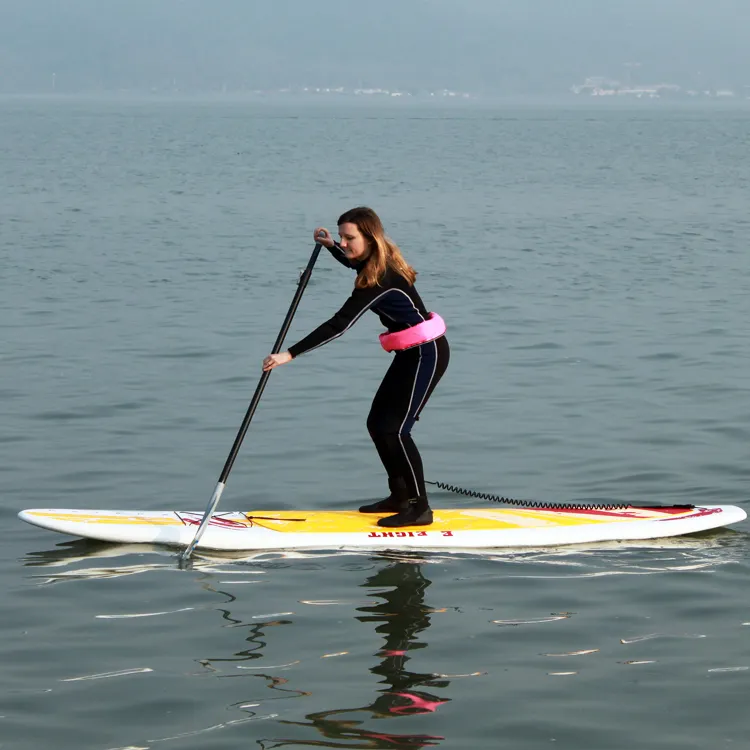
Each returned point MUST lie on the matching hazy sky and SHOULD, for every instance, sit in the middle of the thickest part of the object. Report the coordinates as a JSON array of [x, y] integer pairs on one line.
[[493, 45]]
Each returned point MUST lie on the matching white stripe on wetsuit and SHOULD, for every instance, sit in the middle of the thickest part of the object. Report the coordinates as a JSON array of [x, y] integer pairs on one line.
[[406, 416], [361, 313], [427, 390], [408, 409]]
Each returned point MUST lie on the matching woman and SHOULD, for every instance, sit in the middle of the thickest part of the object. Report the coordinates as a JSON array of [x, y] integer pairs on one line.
[[385, 285]]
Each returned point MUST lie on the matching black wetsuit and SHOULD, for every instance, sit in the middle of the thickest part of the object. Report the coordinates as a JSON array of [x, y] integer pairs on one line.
[[407, 384]]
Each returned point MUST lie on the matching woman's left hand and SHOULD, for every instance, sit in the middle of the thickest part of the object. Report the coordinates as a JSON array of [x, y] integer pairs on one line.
[[274, 360]]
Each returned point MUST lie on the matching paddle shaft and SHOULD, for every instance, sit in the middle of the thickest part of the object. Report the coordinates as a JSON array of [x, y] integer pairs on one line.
[[214, 501]]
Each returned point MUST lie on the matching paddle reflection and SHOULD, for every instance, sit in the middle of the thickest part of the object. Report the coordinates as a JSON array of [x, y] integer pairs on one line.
[[400, 617]]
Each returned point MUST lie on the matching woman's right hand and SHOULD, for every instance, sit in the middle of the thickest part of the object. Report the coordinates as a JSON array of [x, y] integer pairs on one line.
[[323, 236]]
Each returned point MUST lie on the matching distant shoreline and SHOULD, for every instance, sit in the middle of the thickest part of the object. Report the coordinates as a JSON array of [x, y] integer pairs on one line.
[[473, 101]]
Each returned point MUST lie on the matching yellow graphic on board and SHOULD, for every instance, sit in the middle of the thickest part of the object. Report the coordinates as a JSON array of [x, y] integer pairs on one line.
[[341, 521]]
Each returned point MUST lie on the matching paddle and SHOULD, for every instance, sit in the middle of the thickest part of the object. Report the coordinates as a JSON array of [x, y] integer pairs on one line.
[[214, 501]]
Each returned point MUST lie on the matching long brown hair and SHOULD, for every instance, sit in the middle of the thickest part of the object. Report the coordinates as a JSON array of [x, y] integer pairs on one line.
[[384, 253]]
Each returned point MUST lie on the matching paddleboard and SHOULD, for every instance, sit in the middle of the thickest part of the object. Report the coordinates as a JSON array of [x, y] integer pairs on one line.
[[469, 528]]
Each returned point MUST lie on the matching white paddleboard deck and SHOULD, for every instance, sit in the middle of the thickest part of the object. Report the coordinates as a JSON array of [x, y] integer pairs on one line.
[[470, 528]]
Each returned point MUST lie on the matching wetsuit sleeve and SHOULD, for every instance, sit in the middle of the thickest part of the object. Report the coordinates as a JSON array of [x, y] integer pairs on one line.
[[360, 301], [340, 256]]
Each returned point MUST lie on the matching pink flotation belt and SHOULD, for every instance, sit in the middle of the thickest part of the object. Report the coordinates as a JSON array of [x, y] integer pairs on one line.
[[422, 333]]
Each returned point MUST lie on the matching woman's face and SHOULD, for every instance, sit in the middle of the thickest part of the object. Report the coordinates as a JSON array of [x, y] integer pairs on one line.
[[354, 245]]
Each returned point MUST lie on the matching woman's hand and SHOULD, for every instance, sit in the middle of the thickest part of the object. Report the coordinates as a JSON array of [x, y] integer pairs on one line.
[[274, 360], [323, 236]]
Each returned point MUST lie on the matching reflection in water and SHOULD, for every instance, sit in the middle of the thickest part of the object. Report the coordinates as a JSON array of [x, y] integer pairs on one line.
[[396, 610], [401, 616], [255, 637]]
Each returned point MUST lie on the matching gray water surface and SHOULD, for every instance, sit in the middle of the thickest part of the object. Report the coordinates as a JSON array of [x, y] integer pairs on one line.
[[592, 266]]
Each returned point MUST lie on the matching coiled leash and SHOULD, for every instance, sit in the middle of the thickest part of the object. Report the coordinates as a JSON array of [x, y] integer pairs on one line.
[[535, 503]]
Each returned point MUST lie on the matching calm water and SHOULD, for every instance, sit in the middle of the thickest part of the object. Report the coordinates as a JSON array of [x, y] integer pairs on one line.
[[593, 268]]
